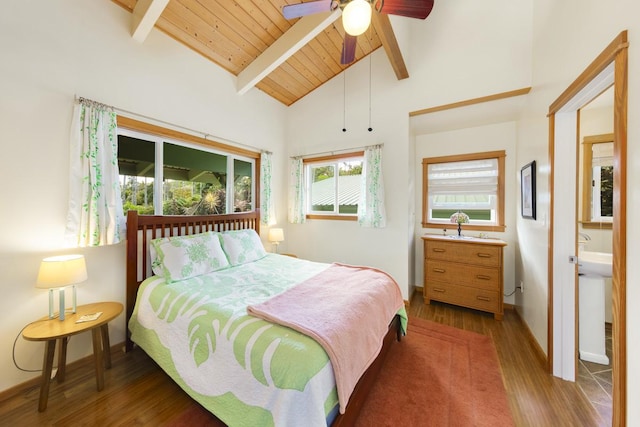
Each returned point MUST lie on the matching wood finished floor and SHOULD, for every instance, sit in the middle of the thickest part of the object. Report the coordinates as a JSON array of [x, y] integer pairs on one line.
[[138, 393]]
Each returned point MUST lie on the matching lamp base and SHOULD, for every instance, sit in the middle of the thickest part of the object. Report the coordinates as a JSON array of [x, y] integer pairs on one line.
[[50, 303], [61, 303]]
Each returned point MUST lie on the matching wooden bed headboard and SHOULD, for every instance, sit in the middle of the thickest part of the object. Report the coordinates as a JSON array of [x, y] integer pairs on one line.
[[141, 229]]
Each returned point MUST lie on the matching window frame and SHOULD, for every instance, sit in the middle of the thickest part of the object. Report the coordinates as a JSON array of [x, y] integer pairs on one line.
[[334, 158], [587, 158], [499, 225], [154, 133]]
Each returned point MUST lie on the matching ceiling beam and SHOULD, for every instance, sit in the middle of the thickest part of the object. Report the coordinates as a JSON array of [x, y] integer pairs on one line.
[[383, 27], [145, 15], [283, 48]]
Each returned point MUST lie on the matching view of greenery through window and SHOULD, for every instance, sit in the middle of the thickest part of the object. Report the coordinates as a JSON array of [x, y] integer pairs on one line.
[[474, 214], [194, 181], [606, 191]]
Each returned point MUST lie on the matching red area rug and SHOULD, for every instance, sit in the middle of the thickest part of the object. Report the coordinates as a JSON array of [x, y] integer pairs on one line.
[[437, 376]]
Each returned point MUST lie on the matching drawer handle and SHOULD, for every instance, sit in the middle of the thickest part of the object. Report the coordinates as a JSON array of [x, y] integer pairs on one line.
[[438, 250], [483, 298], [483, 277], [439, 270], [481, 255], [438, 290]]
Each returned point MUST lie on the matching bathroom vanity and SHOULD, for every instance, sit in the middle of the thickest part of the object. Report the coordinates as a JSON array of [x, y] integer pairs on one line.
[[593, 268]]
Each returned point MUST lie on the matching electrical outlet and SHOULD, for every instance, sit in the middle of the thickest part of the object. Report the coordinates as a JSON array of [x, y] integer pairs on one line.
[[521, 286]]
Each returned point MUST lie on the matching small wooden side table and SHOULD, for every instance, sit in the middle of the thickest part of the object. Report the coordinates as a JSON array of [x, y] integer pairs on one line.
[[50, 330]]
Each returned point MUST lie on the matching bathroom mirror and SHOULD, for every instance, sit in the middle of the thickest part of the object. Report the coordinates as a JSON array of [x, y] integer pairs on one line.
[[597, 181]]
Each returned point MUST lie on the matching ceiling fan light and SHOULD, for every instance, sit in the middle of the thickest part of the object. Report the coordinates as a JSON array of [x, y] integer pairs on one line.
[[356, 17]]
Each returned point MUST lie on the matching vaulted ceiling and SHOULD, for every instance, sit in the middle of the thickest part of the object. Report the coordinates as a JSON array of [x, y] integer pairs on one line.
[[286, 59]]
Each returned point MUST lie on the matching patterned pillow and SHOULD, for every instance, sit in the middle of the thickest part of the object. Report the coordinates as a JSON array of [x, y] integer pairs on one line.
[[242, 246], [178, 258]]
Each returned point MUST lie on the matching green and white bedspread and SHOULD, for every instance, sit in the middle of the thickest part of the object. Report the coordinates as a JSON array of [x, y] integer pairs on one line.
[[246, 371]]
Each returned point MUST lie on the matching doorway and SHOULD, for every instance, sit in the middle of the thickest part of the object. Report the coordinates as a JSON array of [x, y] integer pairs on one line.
[[595, 220], [609, 68]]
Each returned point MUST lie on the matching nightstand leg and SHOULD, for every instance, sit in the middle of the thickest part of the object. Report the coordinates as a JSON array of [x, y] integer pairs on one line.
[[97, 355], [47, 366], [62, 359], [106, 346]]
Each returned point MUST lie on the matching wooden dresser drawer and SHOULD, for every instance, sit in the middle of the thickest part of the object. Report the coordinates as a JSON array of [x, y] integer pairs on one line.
[[465, 296], [469, 275], [466, 272], [468, 253]]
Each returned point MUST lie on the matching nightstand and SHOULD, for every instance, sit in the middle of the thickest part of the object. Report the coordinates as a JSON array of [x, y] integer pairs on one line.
[[50, 330]]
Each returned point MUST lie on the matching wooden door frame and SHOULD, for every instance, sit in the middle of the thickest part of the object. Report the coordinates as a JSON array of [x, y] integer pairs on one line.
[[617, 53]]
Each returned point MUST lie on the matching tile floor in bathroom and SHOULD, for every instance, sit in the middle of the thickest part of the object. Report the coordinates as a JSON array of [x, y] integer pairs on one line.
[[596, 381]]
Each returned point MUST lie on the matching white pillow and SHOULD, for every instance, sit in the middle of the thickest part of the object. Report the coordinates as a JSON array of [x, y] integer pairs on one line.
[[178, 258], [242, 246]]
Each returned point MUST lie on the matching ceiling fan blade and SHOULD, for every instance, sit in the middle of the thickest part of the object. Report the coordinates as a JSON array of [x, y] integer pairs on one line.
[[348, 49], [419, 9], [291, 11]]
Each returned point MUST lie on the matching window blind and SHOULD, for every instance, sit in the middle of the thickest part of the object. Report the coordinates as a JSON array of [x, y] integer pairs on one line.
[[471, 177]]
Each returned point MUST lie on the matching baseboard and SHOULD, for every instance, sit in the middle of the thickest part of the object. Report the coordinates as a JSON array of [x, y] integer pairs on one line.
[[540, 354], [418, 290]]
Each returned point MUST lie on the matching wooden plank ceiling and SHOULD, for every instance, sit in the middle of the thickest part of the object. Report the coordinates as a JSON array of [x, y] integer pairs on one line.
[[240, 36]]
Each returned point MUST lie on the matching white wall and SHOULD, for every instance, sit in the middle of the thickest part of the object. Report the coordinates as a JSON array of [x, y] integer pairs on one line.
[[567, 37], [52, 51], [459, 52], [315, 125], [493, 137]]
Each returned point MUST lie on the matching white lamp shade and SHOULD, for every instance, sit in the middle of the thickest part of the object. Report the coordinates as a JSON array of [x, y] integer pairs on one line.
[[276, 235], [60, 271], [356, 17]]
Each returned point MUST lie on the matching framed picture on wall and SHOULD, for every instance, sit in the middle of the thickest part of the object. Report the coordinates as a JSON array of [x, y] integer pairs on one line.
[[528, 190]]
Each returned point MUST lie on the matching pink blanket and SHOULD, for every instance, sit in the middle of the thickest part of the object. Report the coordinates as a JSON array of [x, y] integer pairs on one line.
[[347, 309]]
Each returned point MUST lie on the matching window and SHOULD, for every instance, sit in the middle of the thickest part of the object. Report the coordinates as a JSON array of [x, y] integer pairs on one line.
[[597, 181], [333, 186], [194, 179], [471, 183]]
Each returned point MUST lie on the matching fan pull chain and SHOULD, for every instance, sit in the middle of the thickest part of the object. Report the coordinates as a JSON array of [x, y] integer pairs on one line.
[[344, 101], [370, 128]]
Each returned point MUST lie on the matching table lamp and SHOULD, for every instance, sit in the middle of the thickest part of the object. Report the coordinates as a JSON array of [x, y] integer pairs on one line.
[[58, 272], [276, 235]]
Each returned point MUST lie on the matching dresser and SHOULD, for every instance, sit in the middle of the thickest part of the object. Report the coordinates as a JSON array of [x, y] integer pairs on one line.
[[467, 272]]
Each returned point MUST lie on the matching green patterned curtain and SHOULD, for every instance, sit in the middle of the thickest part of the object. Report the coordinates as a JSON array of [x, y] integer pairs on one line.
[[267, 209], [95, 215], [296, 192], [371, 211]]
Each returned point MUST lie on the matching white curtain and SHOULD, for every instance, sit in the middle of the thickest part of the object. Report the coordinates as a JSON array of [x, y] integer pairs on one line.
[[267, 212], [95, 215], [371, 211], [296, 192]]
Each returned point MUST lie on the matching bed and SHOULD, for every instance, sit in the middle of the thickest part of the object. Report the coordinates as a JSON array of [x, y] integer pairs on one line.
[[193, 322]]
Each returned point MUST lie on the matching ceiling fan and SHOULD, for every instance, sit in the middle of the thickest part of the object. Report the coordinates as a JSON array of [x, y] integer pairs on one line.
[[356, 16]]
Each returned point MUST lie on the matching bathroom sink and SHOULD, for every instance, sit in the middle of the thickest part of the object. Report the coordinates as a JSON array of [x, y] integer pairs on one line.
[[595, 264]]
